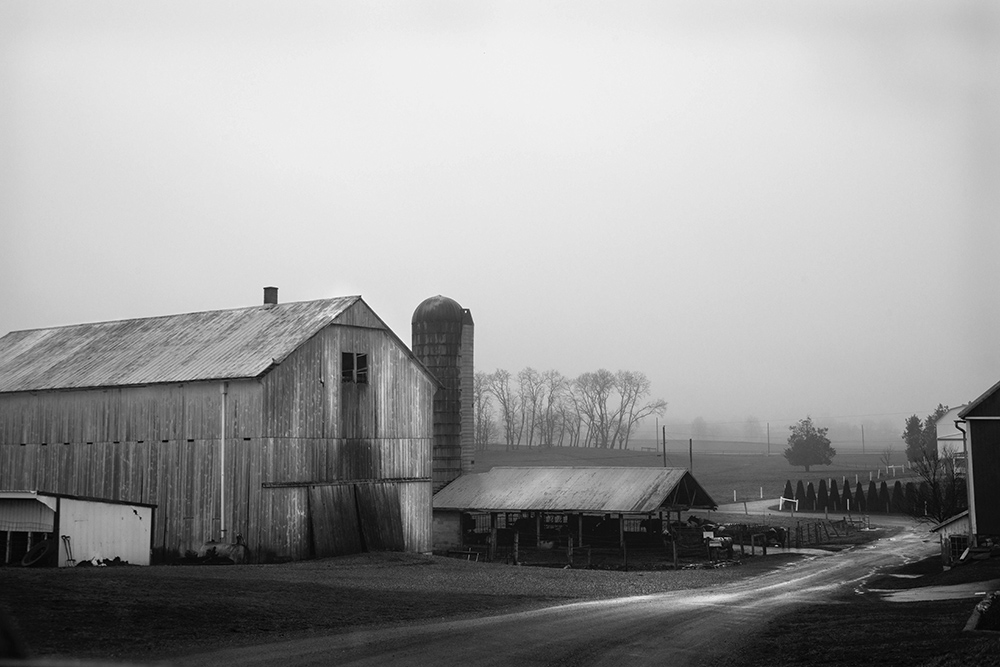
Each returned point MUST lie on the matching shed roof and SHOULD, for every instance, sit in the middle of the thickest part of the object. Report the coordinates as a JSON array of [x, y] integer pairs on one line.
[[211, 345], [964, 515], [598, 490]]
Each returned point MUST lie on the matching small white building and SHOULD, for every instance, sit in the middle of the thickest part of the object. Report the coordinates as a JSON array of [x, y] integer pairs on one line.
[[39, 528]]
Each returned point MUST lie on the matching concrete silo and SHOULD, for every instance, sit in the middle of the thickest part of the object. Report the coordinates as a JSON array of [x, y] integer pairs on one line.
[[443, 342]]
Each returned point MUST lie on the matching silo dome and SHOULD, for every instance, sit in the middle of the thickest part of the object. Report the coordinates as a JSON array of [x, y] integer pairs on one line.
[[438, 309]]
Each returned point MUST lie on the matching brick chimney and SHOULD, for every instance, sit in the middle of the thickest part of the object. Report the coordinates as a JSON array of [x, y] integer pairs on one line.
[[270, 295]]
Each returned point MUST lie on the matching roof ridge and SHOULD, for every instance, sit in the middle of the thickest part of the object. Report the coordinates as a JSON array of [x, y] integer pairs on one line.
[[268, 306]]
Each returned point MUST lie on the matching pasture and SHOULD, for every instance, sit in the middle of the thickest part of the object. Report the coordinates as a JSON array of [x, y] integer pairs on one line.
[[721, 468]]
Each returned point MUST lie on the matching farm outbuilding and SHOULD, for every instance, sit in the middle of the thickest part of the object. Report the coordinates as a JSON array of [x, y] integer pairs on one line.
[[56, 529], [567, 496], [981, 422], [306, 428], [953, 536]]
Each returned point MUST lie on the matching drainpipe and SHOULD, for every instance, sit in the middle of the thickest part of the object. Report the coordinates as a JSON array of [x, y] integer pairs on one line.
[[224, 390], [968, 481]]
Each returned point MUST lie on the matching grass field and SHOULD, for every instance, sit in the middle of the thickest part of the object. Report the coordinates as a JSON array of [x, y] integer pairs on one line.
[[719, 468]]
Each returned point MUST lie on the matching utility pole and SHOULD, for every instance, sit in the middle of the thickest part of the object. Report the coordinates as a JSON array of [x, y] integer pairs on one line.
[[768, 438], [664, 445], [862, 438], [691, 455]]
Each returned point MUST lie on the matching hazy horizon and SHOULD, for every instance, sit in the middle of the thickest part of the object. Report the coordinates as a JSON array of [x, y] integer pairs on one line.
[[772, 210]]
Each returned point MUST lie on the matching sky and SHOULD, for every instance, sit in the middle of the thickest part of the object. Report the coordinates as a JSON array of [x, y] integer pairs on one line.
[[772, 209]]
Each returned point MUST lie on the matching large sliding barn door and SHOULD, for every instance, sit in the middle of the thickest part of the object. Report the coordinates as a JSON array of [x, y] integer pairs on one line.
[[352, 518]]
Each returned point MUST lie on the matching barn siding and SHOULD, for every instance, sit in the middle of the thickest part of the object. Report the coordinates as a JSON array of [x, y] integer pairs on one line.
[[984, 450]]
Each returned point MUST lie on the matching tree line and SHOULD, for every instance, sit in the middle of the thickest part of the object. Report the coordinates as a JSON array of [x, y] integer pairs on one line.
[[546, 409]]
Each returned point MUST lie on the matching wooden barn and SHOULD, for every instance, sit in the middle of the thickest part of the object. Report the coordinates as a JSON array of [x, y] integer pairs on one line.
[[982, 450], [306, 428]]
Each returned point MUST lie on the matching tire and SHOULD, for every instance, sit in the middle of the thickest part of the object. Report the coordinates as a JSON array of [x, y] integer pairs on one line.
[[37, 554]]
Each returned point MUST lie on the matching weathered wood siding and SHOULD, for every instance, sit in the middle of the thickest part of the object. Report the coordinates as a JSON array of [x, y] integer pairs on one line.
[[284, 432], [984, 450]]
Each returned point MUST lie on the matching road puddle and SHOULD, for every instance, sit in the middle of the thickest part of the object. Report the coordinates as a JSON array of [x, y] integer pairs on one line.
[[930, 593]]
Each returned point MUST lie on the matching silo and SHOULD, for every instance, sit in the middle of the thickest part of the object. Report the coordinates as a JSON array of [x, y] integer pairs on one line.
[[442, 341]]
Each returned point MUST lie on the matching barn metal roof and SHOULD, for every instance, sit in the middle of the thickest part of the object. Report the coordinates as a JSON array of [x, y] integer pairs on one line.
[[211, 345], [598, 490]]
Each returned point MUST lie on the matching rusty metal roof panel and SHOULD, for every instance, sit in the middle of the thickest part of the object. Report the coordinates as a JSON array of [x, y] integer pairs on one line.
[[211, 345], [598, 490]]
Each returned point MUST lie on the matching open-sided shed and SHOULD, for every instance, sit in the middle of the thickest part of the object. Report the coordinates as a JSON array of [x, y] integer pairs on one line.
[[64, 530], [641, 493]]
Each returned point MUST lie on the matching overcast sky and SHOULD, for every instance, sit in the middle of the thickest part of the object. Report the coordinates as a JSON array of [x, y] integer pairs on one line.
[[771, 208]]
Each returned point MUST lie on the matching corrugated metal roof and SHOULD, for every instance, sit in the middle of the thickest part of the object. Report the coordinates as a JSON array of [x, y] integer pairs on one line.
[[212, 345], [598, 490]]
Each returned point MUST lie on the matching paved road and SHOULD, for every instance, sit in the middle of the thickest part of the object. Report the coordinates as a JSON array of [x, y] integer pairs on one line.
[[678, 628]]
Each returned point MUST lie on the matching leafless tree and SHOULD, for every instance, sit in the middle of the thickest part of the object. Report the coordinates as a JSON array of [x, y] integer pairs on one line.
[[941, 493], [632, 387], [509, 403], [886, 457], [552, 415], [532, 389], [482, 402], [593, 391]]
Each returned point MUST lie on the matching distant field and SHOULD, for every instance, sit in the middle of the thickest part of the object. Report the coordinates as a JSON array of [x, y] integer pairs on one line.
[[719, 472]]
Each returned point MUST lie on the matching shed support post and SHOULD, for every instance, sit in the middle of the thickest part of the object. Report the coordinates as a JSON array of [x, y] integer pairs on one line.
[[491, 546]]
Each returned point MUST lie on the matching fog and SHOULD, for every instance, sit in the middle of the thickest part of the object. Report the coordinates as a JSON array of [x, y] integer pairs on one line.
[[772, 209]]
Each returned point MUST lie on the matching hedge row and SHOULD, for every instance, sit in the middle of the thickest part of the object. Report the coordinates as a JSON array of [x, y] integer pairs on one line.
[[903, 499]]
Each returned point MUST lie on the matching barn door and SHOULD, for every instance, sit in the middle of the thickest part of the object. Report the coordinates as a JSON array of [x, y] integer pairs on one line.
[[333, 516], [380, 516]]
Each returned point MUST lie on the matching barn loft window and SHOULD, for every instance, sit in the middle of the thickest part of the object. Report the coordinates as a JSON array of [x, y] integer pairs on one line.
[[354, 367]]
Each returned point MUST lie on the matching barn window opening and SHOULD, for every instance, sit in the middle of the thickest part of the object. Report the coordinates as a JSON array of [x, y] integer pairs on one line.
[[354, 367]]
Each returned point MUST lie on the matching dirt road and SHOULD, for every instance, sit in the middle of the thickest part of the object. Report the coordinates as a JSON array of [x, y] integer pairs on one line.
[[679, 628]]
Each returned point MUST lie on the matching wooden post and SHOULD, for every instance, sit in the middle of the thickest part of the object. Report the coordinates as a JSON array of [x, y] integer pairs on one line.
[[517, 542], [674, 543], [569, 551], [491, 546]]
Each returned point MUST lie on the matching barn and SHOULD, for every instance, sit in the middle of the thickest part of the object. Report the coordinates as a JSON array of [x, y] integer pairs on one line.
[[557, 498], [304, 428], [981, 422]]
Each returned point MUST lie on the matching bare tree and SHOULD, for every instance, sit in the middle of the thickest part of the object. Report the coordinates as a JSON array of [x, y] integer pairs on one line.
[[509, 403], [483, 410], [941, 493], [886, 457], [552, 418], [593, 391], [531, 388], [632, 387]]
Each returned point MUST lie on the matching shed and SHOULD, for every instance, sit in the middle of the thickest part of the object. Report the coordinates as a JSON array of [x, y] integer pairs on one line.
[[306, 428], [953, 535], [576, 491], [982, 422], [63, 530]]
